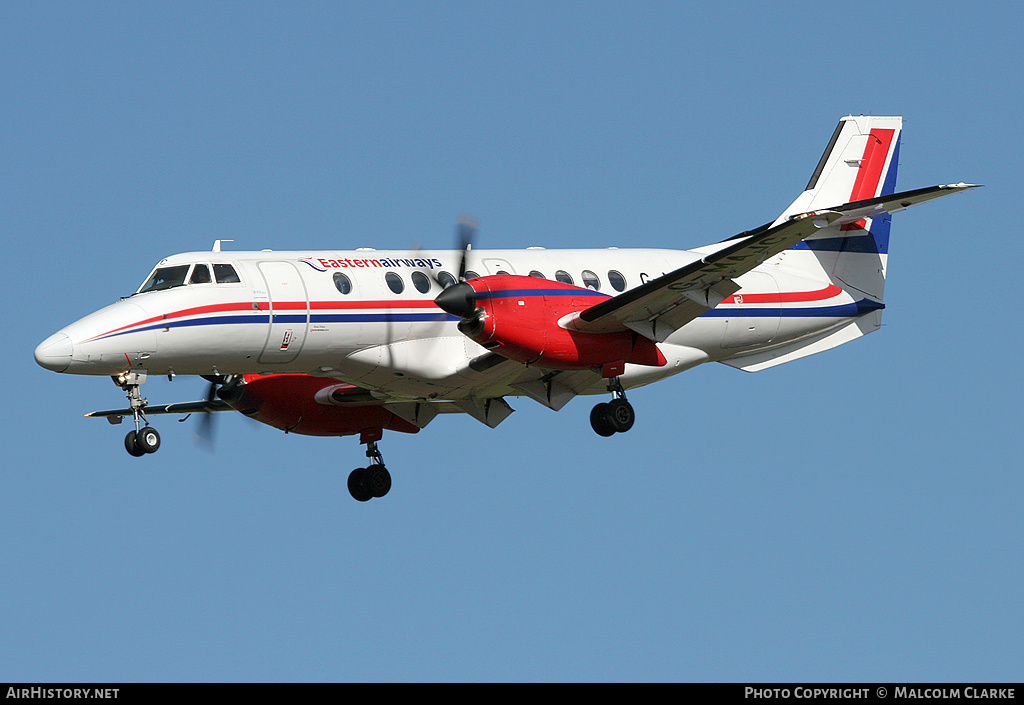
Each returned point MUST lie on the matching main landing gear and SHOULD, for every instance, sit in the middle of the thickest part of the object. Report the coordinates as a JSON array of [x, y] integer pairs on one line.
[[144, 439], [373, 481], [615, 416]]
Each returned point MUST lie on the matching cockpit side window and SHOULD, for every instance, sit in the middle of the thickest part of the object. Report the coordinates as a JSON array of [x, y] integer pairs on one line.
[[165, 278], [200, 275], [225, 274]]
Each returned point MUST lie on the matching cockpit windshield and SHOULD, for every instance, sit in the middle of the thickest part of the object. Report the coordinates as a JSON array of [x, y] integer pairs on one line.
[[165, 278], [178, 275]]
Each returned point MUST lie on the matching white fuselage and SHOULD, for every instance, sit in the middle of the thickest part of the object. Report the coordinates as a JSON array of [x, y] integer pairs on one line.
[[368, 317]]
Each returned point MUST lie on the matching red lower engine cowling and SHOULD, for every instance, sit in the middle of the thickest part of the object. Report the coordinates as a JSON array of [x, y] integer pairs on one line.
[[518, 318], [288, 402]]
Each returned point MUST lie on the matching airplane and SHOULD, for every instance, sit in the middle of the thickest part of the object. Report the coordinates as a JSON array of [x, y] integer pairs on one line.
[[337, 343]]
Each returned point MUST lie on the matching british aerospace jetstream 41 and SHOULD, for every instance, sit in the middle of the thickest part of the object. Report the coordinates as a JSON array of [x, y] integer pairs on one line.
[[341, 343]]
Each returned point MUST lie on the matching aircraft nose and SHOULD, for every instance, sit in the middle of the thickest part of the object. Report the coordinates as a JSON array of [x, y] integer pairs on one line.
[[54, 353]]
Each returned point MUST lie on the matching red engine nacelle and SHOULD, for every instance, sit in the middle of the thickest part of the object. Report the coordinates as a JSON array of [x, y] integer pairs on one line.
[[289, 402], [517, 317]]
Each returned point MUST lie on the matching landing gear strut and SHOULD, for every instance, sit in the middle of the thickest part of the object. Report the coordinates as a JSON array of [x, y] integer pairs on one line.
[[615, 416], [373, 481], [144, 439]]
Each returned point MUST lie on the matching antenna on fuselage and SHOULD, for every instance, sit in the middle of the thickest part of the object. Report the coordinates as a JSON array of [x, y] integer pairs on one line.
[[216, 244]]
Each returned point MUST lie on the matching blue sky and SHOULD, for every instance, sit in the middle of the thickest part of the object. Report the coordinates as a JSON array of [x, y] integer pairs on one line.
[[853, 516]]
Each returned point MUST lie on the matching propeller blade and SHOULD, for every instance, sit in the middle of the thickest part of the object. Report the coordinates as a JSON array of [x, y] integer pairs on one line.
[[204, 435], [466, 230]]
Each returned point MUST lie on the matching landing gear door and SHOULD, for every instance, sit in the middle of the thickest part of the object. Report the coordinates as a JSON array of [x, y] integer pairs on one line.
[[289, 312]]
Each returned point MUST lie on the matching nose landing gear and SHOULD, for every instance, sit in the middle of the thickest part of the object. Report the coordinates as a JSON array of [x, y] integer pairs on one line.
[[615, 416], [144, 439]]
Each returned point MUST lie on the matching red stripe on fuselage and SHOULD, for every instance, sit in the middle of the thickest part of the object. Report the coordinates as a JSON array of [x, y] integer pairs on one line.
[[414, 303], [265, 306], [198, 310], [786, 297]]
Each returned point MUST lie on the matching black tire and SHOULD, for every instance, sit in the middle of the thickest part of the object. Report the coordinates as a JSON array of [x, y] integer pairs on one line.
[[600, 420], [357, 485], [378, 480], [131, 446], [621, 415], [147, 440]]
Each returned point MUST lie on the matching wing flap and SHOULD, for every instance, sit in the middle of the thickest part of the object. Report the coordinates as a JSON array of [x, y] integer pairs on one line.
[[555, 388]]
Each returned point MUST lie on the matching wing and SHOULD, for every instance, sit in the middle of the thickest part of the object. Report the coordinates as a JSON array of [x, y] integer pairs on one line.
[[184, 407], [663, 305]]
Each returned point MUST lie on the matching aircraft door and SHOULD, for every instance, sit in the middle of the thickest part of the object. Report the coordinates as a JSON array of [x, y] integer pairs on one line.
[[498, 266], [289, 312]]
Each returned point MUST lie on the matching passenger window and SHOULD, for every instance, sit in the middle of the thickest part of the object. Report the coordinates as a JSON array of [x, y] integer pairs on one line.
[[617, 281], [342, 283], [537, 274], [200, 275], [395, 282], [563, 276], [225, 274], [590, 280], [471, 275], [446, 280], [421, 282]]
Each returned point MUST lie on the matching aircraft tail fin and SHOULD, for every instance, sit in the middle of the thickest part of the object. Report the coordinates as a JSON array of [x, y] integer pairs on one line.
[[853, 191], [859, 164]]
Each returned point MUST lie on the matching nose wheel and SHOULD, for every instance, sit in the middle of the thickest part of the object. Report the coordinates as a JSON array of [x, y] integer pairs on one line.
[[615, 416], [144, 439]]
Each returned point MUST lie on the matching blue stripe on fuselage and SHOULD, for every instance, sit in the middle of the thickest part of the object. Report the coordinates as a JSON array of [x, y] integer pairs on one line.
[[851, 310], [841, 311], [521, 293]]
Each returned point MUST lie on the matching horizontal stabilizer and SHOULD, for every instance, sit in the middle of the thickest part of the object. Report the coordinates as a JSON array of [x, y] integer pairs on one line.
[[873, 208]]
